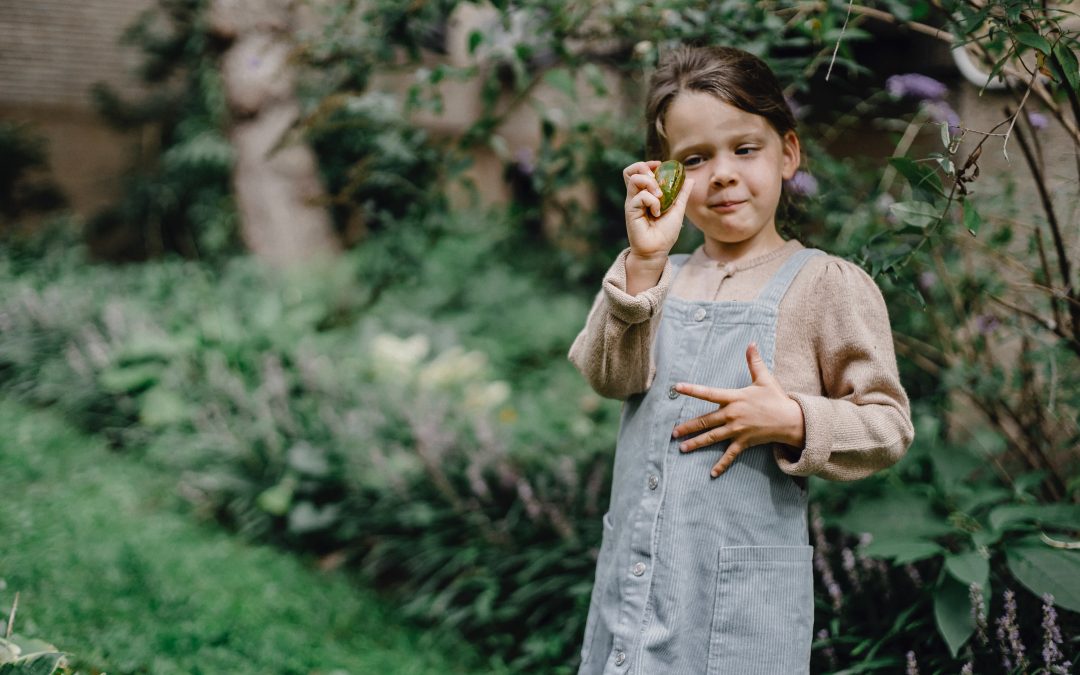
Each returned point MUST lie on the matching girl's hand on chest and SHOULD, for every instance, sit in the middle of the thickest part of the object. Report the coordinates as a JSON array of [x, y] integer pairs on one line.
[[757, 414]]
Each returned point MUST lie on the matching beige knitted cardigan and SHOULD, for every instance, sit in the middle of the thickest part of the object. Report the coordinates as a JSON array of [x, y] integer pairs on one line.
[[834, 353]]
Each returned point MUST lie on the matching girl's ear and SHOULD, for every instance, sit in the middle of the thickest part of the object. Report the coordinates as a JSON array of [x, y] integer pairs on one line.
[[792, 154]]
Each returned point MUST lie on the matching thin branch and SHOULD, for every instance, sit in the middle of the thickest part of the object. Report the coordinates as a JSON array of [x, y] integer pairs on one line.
[[839, 39], [11, 616]]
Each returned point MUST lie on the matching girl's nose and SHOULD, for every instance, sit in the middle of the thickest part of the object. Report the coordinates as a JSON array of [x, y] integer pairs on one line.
[[723, 173]]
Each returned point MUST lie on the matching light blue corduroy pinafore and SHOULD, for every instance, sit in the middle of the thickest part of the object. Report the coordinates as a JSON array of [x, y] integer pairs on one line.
[[702, 576]]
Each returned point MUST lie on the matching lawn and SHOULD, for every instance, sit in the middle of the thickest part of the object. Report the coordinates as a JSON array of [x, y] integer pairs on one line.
[[111, 569]]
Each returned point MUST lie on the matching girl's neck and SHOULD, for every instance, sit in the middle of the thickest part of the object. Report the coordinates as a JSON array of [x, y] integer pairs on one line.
[[736, 252]]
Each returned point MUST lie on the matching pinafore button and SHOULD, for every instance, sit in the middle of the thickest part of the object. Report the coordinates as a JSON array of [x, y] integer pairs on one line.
[[654, 481], [699, 314], [638, 569], [620, 658], [672, 392]]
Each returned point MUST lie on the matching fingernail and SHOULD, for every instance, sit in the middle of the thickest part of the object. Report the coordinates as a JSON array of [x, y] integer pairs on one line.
[[682, 447], [715, 473]]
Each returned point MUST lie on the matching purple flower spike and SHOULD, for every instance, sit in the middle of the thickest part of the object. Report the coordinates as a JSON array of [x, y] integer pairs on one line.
[[1038, 121], [912, 664], [915, 85], [803, 184]]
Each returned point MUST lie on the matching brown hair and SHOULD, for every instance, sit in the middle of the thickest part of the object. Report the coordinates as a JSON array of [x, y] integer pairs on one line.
[[732, 75]]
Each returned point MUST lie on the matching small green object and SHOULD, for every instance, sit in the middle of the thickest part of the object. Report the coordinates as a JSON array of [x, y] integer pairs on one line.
[[669, 175]]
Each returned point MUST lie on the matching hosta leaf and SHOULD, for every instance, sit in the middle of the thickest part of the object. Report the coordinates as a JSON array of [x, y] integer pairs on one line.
[[897, 516], [1050, 515], [952, 613], [902, 551], [970, 567], [1043, 569]]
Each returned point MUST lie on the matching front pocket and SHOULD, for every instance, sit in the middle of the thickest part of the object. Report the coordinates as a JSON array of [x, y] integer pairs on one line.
[[763, 619]]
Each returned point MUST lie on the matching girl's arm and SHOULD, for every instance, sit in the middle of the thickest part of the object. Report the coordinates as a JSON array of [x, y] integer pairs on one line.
[[863, 421], [613, 351]]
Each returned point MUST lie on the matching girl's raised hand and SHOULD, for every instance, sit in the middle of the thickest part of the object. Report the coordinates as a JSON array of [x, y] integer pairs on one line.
[[651, 233], [760, 413]]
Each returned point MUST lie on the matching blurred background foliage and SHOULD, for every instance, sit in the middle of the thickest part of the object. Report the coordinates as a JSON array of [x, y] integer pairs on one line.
[[407, 410]]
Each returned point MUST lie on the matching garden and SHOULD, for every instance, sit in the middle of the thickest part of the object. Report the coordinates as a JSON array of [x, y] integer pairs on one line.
[[379, 459]]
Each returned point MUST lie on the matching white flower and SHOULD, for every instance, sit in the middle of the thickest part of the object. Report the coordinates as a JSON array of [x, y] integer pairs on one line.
[[397, 358]]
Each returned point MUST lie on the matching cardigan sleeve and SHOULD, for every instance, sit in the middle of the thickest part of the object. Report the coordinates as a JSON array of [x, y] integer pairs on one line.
[[613, 350], [862, 423]]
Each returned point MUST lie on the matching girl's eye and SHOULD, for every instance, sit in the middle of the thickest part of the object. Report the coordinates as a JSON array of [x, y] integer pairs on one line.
[[692, 160], [745, 150]]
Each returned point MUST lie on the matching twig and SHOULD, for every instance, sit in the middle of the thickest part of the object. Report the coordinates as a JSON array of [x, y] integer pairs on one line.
[[1012, 120], [843, 29], [11, 617]]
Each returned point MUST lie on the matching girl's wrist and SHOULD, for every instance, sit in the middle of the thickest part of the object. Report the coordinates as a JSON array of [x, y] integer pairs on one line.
[[647, 261], [643, 273]]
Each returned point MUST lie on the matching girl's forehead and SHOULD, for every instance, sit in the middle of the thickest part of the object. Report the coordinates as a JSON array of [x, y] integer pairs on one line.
[[693, 117]]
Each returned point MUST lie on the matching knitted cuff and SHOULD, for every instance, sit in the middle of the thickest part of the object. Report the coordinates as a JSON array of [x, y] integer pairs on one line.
[[817, 416], [634, 308]]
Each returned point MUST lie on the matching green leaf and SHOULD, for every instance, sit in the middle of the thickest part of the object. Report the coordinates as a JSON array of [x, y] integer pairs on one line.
[[896, 515], [305, 517], [1065, 516], [921, 176], [972, 219], [979, 496], [34, 664], [276, 500], [1069, 64], [562, 80], [475, 38], [122, 380], [970, 567], [1033, 40], [919, 214], [1043, 569], [952, 614], [902, 551], [161, 407], [1027, 482]]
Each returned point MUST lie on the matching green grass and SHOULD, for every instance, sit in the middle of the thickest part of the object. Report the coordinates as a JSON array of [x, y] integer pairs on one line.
[[112, 571]]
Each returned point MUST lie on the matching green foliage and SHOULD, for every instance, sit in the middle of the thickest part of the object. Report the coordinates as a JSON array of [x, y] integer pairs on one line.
[[405, 411], [948, 523], [177, 199], [110, 563], [24, 187]]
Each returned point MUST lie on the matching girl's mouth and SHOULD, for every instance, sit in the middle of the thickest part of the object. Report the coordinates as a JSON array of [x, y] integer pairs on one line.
[[725, 207]]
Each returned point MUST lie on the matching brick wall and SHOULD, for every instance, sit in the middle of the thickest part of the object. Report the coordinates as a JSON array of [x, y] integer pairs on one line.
[[51, 51]]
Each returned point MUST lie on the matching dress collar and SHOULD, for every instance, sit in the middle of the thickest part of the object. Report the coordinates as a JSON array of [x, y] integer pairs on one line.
[[699, 259]]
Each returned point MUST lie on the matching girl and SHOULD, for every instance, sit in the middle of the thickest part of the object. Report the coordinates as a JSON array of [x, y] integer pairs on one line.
[[704, 565]]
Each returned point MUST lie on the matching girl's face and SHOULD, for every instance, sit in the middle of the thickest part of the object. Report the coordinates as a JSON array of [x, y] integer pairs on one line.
[[738, 162]]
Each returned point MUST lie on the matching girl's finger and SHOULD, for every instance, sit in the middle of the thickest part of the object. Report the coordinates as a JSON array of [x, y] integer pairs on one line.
[[639, 168], [700, 424], [706, 439], [645, 182], [730, 455], [720, 396], [647, 202]]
